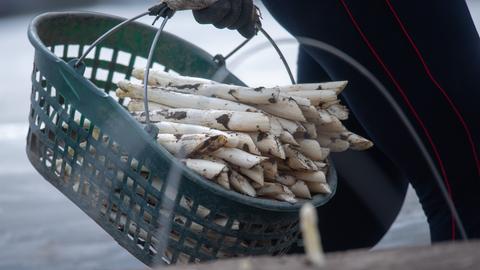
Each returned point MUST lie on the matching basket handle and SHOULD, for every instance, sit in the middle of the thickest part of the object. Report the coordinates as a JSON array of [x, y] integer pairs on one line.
[[167, 9]]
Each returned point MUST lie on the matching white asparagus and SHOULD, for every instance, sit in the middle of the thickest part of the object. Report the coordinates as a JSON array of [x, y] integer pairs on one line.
[[205, 168], [270, 169], [241, 184], [212, 158], [324, 117], [316, 187], [239, 158], [225, 137], [322, 166], [333, 127], [339, 111], [329, 104], [301, 101], [290, 198], [286, 180], [223, 180], [207, 88], [217, 119], [268, 144], [297, 161], [311, 114], [187, 145], [285, 108], [316, 97], [180, 100], [333, 86], [256, 174], [311, 130], [335, 145], [277, 191], [270, 101], [162, 78], [290, 126], [312, 149], [300, 189], [256, 185], [136, 105], [282, 165], [256, 96], [317, 176], [275, 127], [272, 189], [234, 139], [311, 236], [287, 138], [357, 142]]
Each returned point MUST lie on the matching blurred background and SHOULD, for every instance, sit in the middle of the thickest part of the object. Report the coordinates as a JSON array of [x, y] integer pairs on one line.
[[39, 227]]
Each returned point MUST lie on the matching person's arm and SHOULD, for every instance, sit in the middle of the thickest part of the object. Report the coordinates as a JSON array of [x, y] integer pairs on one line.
[[241, 15]]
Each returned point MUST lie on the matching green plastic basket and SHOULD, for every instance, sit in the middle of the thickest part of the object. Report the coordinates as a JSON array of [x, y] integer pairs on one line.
[[109, 188]]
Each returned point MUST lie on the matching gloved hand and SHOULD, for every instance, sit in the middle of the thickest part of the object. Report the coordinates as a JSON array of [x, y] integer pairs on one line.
[[238, 15]]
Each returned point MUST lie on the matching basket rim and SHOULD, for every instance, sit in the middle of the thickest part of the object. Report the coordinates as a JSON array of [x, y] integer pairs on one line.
[[265, 204]]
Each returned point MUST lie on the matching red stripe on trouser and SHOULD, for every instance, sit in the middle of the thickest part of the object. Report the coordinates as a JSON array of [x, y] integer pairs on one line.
[[435, 82], [407, 102]]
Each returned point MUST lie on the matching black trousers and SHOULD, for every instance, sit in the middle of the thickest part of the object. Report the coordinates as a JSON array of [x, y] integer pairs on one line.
[[427, 53]]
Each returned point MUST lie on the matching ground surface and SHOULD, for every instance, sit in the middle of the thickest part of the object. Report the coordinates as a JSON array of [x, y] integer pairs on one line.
[[39, 227], [442, 257]]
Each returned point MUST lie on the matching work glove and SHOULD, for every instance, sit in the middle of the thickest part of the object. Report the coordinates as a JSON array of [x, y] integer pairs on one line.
[[241, 15]]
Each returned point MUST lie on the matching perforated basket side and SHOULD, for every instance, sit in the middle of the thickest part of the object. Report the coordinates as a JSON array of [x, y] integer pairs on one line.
[[117, 178]]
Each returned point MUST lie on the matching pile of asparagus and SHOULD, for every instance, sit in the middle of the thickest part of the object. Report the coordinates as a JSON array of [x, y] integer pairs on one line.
[[266, 142]]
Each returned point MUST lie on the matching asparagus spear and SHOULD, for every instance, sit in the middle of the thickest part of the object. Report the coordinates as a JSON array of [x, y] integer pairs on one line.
[[217, 119]]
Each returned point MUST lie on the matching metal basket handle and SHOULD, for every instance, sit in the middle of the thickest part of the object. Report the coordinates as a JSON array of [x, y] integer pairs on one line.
[[167, 9]]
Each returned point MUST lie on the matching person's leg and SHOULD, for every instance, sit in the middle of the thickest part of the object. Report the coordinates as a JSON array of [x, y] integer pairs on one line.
[[371, 189], [446, 120]]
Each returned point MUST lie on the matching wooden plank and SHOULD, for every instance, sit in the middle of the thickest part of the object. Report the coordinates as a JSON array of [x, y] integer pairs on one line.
[[461, 256]]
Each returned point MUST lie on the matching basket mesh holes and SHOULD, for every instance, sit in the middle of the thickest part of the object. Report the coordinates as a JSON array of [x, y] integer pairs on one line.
[[196, 228], [152, 201], [77, 117], [140, 191], [102, 74], [58, 50], [92, 53], [122, 222], [73, 51], [140, 62], [113, 95], [229, 241], [91, 150], [190, 242], [36, 97], [117, 76], [76, 183], [88, 73], [123, 58], [145, 172], [142, 238], [37, 78], [202, 211], [106, 54], [157, 183], [85, 188], [174, 235], [70, 153], [103, 207], [147, 217], [183, 258]]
